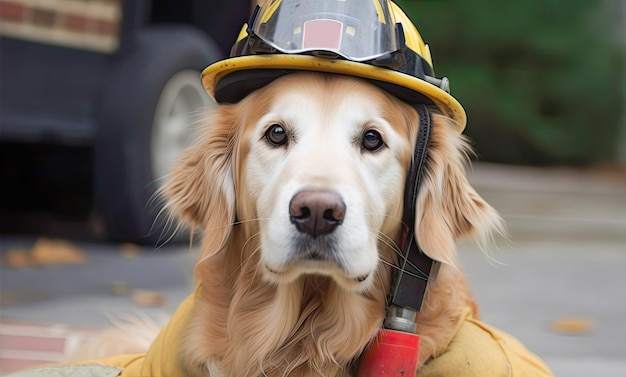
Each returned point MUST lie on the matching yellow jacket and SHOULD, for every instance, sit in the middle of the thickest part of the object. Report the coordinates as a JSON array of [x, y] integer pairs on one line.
[[477, 350]]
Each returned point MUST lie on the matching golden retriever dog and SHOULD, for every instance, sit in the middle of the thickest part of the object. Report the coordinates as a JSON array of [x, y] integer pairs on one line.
[[297, 193]]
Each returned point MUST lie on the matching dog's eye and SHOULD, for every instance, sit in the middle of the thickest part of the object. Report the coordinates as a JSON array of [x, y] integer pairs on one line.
[[276, 135], [372, 141]]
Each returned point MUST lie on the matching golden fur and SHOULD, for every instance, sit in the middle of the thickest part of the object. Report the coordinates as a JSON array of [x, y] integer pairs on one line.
[[314, 322]]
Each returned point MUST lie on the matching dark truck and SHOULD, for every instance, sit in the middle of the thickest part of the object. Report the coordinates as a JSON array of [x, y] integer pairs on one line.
[[119, 78]]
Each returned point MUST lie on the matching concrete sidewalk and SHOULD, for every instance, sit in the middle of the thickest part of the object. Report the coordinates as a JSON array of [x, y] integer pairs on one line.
[[556, 202], [566, 258]]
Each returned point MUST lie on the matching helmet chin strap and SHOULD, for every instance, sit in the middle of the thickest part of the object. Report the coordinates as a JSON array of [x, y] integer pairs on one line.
[[396, 347], [416, 269]]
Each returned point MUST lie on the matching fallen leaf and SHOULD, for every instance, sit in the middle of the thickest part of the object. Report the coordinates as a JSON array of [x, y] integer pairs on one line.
[[120, 288], [17, 258], [572, 325], [130, 250], [148, 298], [52, 252]]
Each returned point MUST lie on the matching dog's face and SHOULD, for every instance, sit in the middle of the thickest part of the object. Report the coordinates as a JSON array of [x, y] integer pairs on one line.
[[315, 165], [325, 169]]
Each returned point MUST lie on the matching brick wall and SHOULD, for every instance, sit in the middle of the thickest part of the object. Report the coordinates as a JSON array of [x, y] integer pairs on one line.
[[85, 24]]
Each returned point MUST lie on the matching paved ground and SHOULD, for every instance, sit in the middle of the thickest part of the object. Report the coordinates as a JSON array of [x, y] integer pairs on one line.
[[566, 258]]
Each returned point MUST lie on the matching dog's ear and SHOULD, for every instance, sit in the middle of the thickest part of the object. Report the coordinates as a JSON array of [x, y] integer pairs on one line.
[[200, 191], [448, 208]]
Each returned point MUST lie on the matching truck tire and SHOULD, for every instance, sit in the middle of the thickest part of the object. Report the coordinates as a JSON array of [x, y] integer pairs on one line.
[[144, 120]]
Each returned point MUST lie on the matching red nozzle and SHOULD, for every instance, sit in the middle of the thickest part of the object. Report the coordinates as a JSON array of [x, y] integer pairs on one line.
[[392, 353]]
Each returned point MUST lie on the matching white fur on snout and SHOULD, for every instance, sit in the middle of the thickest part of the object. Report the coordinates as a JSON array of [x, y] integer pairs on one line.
[[317, 166], [324, 153]]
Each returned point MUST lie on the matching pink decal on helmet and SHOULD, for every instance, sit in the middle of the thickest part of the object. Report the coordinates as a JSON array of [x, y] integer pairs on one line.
[[322, 34]]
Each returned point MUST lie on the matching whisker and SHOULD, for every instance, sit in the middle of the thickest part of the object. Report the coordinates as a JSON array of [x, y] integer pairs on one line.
[[388, 241], [396, 249], [422, 276], [238, 222], [179, 226], [383, 215], [234, 223]]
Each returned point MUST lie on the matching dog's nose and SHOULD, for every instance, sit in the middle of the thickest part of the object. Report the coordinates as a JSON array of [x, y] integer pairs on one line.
[[316, 212]]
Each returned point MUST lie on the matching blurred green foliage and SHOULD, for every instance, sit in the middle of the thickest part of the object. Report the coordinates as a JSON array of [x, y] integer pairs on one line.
[[541, 80]]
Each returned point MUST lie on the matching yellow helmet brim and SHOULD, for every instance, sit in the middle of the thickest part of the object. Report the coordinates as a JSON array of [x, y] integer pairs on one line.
[[447, 104]]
